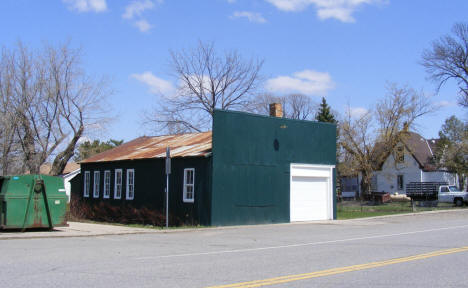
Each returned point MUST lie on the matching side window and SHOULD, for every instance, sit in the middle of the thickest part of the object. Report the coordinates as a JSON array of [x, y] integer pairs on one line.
[[400, 154], [400, 183], [130, 193], [189, 185], [86, 184], [444, 189], [107, 179], [97, 181], [118, 184]]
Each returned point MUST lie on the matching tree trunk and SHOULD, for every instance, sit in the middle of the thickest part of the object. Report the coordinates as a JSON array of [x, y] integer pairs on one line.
[[29, 149], [62, 158], [365, 185], [5, 164], [461, 182]]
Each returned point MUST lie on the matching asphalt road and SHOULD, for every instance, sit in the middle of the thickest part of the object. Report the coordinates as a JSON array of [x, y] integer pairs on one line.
[[425, 250]]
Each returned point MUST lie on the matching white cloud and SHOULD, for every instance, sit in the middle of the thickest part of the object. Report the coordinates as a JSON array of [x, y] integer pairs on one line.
[[83, 139], [357, 112], [143, 25], [251, 16], [338, 9], [155, 84], [307, 82], [136, 8], [86, 5], [290, 5], [444, 103]]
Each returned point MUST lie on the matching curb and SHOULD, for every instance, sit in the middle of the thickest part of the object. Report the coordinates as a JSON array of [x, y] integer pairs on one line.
[[217, 228]]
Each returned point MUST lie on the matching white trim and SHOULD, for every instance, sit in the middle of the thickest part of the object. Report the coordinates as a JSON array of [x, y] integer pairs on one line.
[[127, 190], [87, 183], [117, 184], [185, 185], [96, 184], [430, 149], [305, 165], [107, 186]]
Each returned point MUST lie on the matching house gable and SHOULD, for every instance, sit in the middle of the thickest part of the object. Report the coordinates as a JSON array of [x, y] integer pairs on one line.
[[386, 179]]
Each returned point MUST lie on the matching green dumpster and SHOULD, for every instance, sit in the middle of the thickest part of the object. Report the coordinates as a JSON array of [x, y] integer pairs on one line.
[[32, 201]]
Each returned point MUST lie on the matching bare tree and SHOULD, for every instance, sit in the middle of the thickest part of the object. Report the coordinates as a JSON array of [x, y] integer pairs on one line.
[[207, 81], [369, 138], [448, 59], [7, 116], [300, 106], [53, 102], [295, 106]]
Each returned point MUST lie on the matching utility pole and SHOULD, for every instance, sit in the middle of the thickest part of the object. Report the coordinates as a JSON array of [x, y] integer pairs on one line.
[[168, 172]]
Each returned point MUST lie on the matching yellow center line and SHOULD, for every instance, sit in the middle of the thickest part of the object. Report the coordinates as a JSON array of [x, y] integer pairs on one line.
[[333, 271]]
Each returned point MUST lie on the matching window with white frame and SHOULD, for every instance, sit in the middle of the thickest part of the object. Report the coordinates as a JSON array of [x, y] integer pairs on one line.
[[107, 179], [130, 192], [118, 184], [400, 182], [189, 185], [97, 181], [400, 154], [86, 184]]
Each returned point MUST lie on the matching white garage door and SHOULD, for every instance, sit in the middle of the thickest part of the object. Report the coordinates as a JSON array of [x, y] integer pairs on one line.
[[311, 192]]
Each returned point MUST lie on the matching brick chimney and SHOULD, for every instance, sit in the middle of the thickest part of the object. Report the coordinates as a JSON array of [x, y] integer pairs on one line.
[[276, 110], [405, 126]]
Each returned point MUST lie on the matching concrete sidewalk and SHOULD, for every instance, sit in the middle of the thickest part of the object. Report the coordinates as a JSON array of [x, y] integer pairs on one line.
[[79, 229], [76, 229]]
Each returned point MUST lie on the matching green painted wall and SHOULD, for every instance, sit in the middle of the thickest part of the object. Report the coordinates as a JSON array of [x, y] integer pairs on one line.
[[150, 183], [251, 163]]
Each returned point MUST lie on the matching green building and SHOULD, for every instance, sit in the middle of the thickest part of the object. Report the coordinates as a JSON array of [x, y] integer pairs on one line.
[[249, 169]]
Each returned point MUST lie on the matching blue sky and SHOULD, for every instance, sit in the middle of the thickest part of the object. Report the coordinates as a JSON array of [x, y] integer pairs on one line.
[[345, 50]]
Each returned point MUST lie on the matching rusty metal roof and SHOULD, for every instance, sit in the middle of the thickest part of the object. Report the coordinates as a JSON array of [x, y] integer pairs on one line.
[[184, 145]]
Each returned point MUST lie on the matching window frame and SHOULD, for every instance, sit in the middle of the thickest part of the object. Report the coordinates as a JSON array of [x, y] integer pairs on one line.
[[107, 185], [400, 154], [87, 183], [117, 185], [127, 190], [96, 184], [185, 185], [400, 183]]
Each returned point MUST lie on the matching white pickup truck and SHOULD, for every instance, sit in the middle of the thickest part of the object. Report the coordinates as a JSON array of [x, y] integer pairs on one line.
[[436, 191], [451, 194]]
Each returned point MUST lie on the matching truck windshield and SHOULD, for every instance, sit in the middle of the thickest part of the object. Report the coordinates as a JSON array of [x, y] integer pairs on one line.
[[453, 189]]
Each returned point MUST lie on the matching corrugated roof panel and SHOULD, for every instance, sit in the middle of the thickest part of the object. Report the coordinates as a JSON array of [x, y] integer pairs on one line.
[[185, 145]]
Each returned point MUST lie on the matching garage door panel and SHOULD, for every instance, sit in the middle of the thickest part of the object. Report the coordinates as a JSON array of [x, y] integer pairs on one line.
[[309, 194]]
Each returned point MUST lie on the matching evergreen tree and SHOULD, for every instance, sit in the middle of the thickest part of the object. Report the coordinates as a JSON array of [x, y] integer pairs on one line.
[[88, 148], [452, 148], [324, 114]]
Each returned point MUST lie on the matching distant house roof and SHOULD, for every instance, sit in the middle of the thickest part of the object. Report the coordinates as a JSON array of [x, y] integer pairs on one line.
[[183, 145], [70, 167], [421, 149]]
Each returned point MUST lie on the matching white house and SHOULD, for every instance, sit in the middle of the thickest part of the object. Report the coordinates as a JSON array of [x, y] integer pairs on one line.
[[411, 161], [70, 171]]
